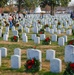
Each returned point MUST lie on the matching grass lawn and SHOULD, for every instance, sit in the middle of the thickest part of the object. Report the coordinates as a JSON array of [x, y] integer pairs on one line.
[[5, 68]]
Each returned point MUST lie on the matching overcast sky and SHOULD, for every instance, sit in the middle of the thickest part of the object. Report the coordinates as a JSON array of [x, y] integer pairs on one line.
[[71, 3]]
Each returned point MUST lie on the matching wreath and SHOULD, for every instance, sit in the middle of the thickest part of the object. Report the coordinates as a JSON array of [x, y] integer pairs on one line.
[[19, 30], [71, 42], [46, 25], [14, 38], [41, 31], [70, 69], [32, 65], [46, 41]]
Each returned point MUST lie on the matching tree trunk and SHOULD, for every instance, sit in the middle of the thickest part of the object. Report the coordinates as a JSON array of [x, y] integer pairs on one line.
[[52, 9], [19, 5]]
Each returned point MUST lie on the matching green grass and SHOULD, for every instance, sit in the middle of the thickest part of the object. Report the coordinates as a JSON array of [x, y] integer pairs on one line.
[[6, 67]]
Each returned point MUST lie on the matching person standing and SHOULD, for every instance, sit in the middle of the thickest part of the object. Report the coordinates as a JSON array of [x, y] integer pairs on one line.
[[10, 21], [72, 15]]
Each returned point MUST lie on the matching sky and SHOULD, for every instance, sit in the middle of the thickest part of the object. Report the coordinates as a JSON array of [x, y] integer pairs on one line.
[[71, 3]]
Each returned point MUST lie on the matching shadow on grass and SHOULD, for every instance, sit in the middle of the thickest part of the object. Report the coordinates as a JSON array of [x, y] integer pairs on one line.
[[14, 70], [50, 73]]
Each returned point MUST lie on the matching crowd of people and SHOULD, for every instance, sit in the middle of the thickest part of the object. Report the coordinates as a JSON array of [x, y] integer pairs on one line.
[[12, 18]]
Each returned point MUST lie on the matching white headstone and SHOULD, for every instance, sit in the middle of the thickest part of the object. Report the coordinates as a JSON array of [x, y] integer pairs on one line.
[[54, 37], [33, 36], [56, 65], [0, 32], [58, 31], [35, 29], [17, 51], [69, 32], [15, 61], [7, 29], [0, 57], [3, 51], [31, 53], [42, 36], [23, 34], [51, 31], [61, 41], [13, 28], [65, 38], [25, 39], [15, 33], [50, 54], [69, 50], [72, 58], [5, 37], [37, 40], [27, 30]]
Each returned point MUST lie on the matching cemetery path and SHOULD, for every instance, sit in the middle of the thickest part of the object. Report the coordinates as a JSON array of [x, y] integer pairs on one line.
[[46, 47]]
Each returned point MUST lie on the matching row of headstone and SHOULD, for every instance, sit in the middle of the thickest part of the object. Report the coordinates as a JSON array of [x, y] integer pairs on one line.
[[16, 59], [55, 63], [69, 53]]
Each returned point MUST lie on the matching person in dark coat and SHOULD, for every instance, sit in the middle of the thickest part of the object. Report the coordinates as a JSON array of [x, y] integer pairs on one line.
[[72, 15]]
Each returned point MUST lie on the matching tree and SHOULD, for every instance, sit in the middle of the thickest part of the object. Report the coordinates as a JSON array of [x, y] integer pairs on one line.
[[19, 4], [3, 2], [31, 4], [54, 3]]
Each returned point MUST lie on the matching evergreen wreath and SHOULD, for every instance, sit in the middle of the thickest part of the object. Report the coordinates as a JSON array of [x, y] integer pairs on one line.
[[14, 38], [70, 69], [46, 41], [71, 42], [46, 25], [32, 65], [19, 30], [41, 31]]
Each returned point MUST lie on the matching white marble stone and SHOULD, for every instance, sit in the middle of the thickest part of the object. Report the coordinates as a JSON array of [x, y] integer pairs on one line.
[[65, 38], [31, 53], [17, 51], [27, 30], [69, 50], [35, 29], [15, 61], [3, 51], [0, 57], [0, 32], [35, 53], [23, 34], [33, 36], [42, 36], [7, 29], [56, 65], [15, 33], [5, 37], [69, 32], [54, 37], [61, 41], [13, 28], [51, 31], [25, 39], [58, 31], [72, 58], [37, 40], [50, 54]]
